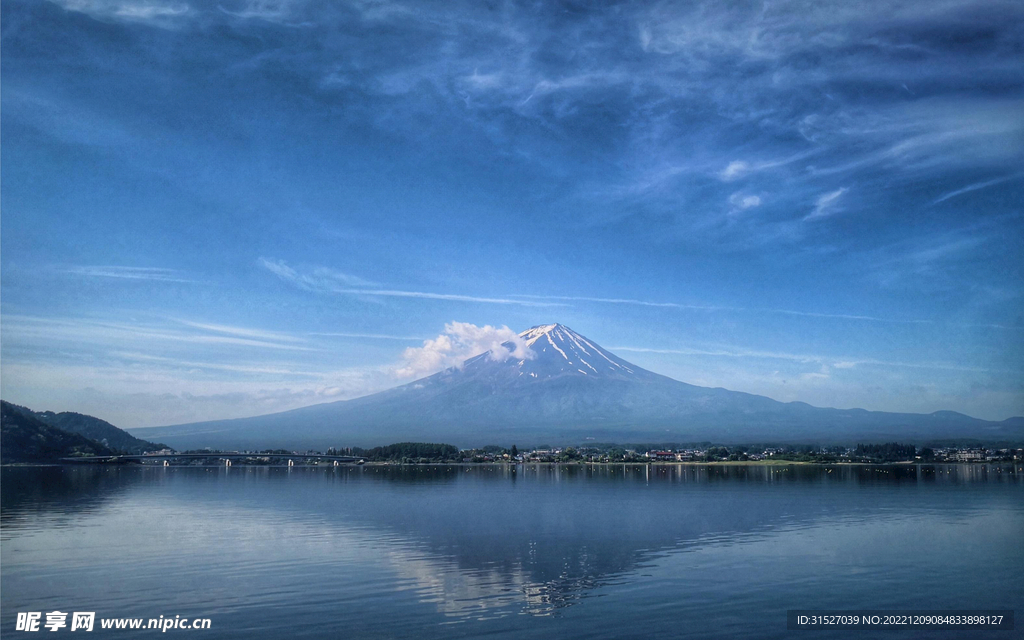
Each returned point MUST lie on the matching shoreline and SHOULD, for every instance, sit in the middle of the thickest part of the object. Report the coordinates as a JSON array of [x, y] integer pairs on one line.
[[717, 463]]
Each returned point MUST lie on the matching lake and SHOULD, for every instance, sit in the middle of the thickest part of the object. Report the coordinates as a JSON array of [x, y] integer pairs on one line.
[[535, 551]]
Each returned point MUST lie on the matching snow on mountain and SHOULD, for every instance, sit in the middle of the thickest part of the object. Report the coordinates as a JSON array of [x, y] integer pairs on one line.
[[556, 351], [575, 351]]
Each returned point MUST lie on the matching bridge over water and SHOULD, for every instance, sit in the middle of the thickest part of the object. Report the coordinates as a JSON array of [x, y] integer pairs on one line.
[[226, 456]]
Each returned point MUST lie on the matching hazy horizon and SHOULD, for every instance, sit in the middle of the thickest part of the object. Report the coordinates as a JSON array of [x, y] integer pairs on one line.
[[224, 211]]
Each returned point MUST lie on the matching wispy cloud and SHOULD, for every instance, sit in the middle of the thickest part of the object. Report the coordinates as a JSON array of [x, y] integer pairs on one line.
[[129, 273], [280, 12], [150, 12], [826, 204], [241, 331], [329, 281], [845, 316], [974, 187], [735, 169], [192, 364], [79, 331], [319, 278], [722, 352], [394, 293], [627, 301], [838, 362], [698, 307], [368, 336], [741, 168], [742, 202]]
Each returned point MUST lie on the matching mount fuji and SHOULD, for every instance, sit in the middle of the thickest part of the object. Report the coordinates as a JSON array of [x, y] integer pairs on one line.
[[565, 388]]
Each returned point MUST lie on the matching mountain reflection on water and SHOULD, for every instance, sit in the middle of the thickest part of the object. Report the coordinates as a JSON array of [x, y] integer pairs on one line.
[[476, 544]]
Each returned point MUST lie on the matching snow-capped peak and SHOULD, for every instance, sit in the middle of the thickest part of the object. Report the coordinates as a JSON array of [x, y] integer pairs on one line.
[[547, 352], [532, 334], [576, 353]]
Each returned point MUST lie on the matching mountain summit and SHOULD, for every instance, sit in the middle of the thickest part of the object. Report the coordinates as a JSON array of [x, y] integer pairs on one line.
[[560, 350], [554, 351], [554, 385]]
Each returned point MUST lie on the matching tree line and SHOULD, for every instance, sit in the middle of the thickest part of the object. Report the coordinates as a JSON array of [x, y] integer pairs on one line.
[[410, 451]]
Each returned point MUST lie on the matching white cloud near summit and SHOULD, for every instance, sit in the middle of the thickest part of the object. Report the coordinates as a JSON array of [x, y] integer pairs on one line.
[[461, 340]]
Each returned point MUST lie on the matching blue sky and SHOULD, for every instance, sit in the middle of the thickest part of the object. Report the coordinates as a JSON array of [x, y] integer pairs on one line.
[[225, 209]]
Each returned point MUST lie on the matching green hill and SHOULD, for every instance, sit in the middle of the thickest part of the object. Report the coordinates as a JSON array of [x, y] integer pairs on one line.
[[24, 438], [99, 430]]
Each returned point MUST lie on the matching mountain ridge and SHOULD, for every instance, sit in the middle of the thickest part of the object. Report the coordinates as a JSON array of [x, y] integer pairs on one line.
[[42, 436], [24, 438], [97, 429], [567, 388]]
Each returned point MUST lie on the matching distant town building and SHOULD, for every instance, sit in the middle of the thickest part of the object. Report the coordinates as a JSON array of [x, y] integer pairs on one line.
[[661, 455], [968, 456]]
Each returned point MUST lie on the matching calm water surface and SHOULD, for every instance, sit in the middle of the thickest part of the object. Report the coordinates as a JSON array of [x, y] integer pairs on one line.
[[542, 552]]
